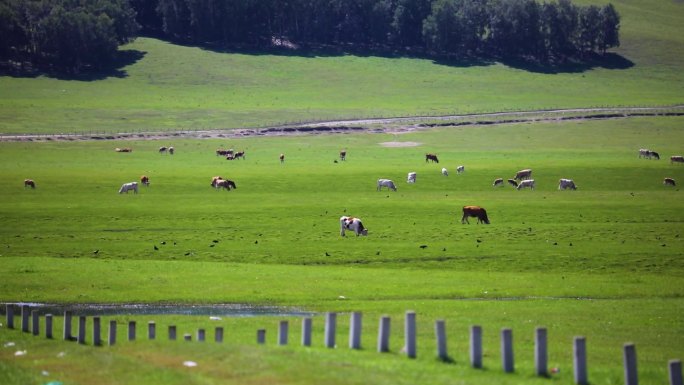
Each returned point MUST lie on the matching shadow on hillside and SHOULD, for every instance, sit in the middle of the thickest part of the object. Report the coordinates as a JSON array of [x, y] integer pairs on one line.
[[113, 69], [608, 60]]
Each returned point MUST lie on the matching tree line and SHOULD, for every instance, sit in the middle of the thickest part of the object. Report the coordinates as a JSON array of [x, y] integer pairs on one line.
[[76, 34]]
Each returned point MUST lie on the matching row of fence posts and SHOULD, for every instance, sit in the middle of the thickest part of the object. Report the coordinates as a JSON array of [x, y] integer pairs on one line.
[[330, 332]]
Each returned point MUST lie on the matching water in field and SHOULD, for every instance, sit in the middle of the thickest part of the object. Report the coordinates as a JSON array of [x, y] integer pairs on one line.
[[224, 310]]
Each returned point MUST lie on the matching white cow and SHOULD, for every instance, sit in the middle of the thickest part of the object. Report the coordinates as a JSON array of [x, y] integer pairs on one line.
[[386, 183], [523, 174], [126, 187], [352, 224], [460, 169], [411, 177], [498, 182], [526, 183], [565, 184], [445, 172]]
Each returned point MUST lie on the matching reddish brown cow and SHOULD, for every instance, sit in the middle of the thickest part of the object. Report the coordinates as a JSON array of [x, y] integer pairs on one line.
[[475, 211], [29, 183], [431, 157], [144, 180]]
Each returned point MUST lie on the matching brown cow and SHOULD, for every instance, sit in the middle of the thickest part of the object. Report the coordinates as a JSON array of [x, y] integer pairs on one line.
[[677, 159], [145, 180], [474, 211], [29, 183], [431, 157], [669, 182]]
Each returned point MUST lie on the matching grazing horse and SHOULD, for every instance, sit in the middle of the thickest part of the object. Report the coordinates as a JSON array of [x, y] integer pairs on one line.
[[386, 183], [498, 182], [126, 187], [431, 157], [29, 183], [474, 211], [226, 184], [343, 155], [145, 180], [677, 159], [669, 182], [352, 224]]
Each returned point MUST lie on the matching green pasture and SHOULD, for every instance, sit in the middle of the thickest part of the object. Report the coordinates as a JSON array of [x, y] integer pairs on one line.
[[602, 262], [162, 86]]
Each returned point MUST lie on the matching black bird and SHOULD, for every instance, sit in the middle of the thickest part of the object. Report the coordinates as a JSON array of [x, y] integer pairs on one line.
[[155, 247], [326, 254], [423, 246], [163, 242]]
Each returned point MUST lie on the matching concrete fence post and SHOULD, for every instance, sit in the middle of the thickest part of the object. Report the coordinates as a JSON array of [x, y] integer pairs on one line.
[[151, 330], [330, 329], [261, 336], [507, 350], [580, 361], [48, 326], [9, 316], [410, 334], [476, 346], [355, 330], [440, 335], [282, 332], [111, 336], [66, 332], [25, 313], [218, 334], [200, 335], [131, 330], [172, 332], [81, 329], [675, 369], [97, 337], [630, 363], [35, 322], [540, 352], [306, 331], [384, 334]]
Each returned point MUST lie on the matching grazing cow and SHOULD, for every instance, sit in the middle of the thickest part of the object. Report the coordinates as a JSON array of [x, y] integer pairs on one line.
[[163, 149], [677, 159], [411, 177], [386, 183], [144, 180], [460, 169], [513, 182], [444, 171], [214, 180], [226, 184], [431, 157], [352, 224], [221, 152], [343, 155], [653, 154], [127, 149], [474, 211], [526, 183], [669, 182], [171, 150], [498, 182], [239, 154], [523, 174], [564, 184], [282, 158], [644, 153], [29, 183], [126, 187]]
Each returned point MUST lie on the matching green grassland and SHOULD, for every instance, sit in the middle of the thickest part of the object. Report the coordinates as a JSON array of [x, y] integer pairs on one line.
[[603, 261], [171, 87]]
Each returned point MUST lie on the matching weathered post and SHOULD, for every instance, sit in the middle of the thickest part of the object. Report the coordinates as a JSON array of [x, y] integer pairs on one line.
[[355, 331], [200, 335], [48, 326], [218, 334], [111, 338], [35, 322], [630, 363], [66, 334], [261, 336], [151, 330], [440, 334], [306, 331], [384, 334], [540, 352], [81, 329], [675, 367], [25, 313], [10, 315], [172, 332], [580, 360], [476, 346], [410, 334], [330, 329], [97, 339], [131, 330], [282, 332], [507, 350]]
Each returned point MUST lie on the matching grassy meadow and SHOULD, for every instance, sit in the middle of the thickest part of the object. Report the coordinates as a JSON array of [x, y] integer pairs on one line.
[[162, 86], [603, 261]]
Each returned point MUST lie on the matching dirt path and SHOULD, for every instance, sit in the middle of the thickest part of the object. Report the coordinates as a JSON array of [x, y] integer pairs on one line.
[[395, 125]]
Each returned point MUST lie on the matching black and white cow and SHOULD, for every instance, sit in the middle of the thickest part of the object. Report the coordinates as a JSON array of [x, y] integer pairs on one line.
[[526, 183], [386, 183], [498, 182], [677, 159], [445, 172], [352, 224], [460, 169], [564, 184], [669, 182], [523, 174], [411, 178]]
